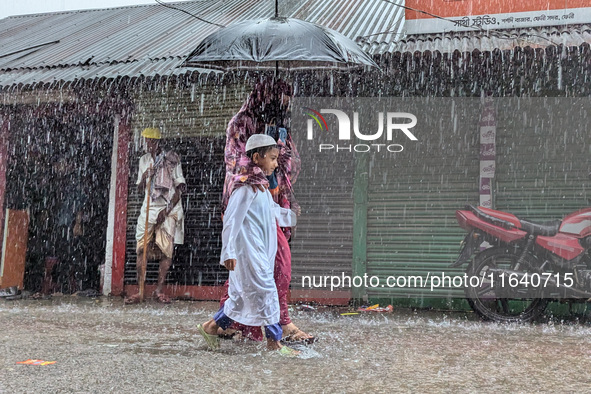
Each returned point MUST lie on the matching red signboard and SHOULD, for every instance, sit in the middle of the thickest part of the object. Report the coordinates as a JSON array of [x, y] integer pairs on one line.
[[465, 15]]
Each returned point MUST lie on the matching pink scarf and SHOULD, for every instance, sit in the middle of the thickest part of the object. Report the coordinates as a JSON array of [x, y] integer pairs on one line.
[[249, 175], [259, 108]]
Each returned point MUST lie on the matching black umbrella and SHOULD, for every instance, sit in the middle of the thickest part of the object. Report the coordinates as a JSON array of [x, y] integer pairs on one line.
[[261, 44]]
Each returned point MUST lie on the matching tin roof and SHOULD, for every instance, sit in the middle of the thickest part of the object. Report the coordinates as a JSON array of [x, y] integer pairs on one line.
[[153, 39], [149, 40], [538, 37]]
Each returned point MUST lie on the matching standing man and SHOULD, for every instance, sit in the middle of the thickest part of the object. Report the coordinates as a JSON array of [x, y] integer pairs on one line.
[[165, 216]]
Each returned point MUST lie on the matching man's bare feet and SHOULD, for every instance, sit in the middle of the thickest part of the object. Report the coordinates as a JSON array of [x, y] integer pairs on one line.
[[134, 299], [161, 298]]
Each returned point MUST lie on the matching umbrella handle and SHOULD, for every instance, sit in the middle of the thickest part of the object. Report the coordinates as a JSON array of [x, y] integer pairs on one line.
[[144, 262]]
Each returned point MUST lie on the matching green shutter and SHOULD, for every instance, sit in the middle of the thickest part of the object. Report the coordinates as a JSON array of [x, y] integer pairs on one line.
[[412, 200], [412, 228], [543, 158]]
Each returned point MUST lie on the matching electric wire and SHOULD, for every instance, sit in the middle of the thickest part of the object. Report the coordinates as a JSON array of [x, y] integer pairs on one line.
[[188, 13]]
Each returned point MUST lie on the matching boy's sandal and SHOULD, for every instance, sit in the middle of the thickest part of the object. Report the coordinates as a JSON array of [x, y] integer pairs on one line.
[[213, 341], [286, 351]]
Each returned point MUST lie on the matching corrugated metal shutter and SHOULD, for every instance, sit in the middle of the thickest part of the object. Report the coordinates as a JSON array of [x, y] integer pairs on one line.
[[181, 109], [543, 150], [196, 262], [323, 241], [412, 201], [193, 120]]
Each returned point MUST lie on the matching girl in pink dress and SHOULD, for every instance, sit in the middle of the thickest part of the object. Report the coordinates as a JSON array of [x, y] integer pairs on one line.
[[265, 111]]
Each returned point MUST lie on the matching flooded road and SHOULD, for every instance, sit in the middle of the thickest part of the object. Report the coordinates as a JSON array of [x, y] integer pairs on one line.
[[103, 346]]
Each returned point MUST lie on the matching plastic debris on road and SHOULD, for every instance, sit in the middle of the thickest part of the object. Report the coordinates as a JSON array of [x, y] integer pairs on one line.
[[376, 308], [36, 362]]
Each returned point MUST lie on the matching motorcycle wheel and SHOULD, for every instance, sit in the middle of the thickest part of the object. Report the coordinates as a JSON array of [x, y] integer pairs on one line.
[[484, 299]]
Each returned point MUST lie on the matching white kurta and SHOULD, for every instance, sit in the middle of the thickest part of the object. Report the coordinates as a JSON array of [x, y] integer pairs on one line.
[[250, 237], [174, 224]]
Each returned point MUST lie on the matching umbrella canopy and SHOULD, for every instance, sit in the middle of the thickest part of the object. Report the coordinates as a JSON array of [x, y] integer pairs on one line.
[[294, 43]]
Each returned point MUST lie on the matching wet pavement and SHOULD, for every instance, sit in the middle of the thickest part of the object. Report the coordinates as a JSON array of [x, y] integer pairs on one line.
[[101, 346]]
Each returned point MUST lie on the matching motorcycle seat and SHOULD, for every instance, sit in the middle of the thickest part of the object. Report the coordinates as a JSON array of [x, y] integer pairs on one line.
[[490, 219], [546, 228]]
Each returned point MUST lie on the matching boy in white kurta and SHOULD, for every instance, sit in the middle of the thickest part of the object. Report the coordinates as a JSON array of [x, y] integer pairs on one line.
[[249, 240]]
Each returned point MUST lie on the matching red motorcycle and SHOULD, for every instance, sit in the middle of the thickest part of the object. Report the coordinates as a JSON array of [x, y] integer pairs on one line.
[[520, 266]]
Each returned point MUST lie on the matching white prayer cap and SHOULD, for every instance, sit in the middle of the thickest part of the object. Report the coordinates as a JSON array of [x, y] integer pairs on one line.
[[259, 140]]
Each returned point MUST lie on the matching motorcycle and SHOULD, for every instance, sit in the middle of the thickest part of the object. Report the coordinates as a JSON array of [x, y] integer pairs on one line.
[[516, 267]]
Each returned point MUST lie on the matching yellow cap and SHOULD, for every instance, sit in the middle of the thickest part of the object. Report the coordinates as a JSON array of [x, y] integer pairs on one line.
[[151, 132]]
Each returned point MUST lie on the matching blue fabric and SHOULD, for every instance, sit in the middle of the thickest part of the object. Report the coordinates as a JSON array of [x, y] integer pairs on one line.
[[222, 320], [272, 181], [272, 131], [283, 134], [274, 332], [278, 133]]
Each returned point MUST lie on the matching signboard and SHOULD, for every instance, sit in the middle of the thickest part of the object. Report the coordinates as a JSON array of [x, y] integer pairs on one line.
[[473, 15]]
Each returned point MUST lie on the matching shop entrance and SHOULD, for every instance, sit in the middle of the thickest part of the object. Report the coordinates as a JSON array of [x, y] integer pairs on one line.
[[59, 171]]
